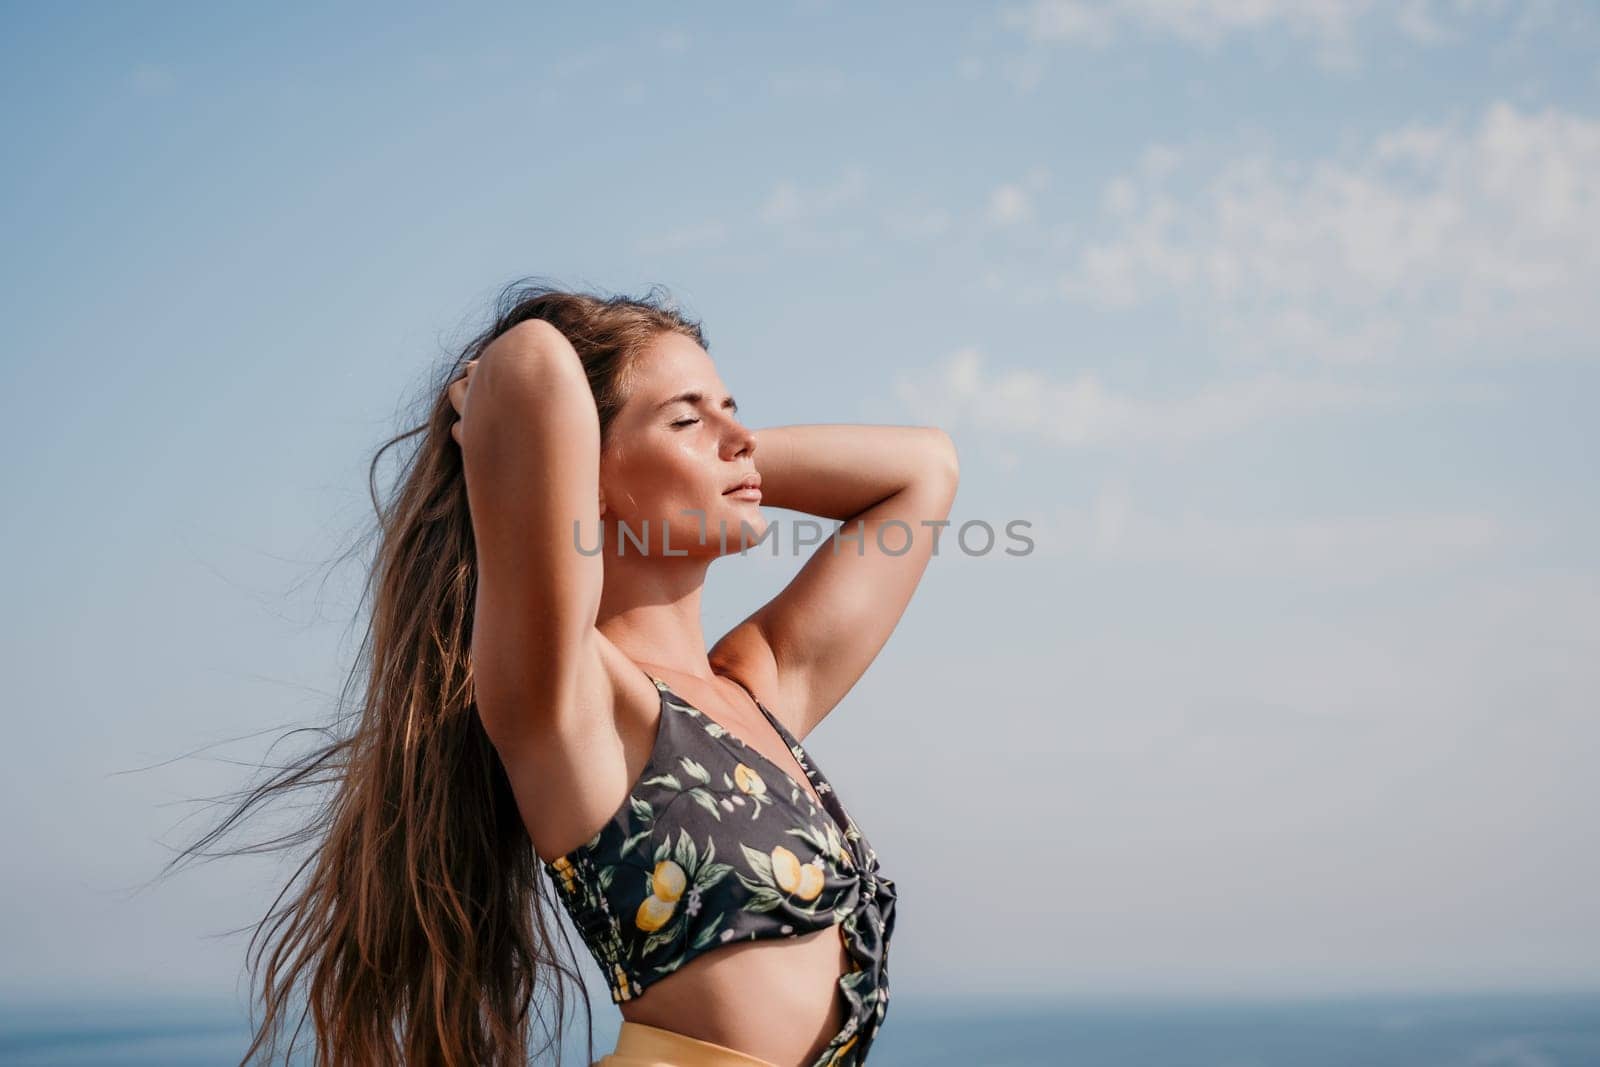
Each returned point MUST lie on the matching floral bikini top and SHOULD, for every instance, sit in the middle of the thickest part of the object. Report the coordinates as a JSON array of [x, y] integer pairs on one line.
[[716, 844]]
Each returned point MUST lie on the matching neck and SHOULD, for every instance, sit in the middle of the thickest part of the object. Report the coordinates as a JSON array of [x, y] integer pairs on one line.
[[650, 609]]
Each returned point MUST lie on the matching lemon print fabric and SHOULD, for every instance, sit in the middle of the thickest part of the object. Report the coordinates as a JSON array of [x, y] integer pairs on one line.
[[716, 844]]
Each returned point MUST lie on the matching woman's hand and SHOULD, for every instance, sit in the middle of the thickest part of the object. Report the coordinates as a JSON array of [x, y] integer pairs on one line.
[[458, 399]]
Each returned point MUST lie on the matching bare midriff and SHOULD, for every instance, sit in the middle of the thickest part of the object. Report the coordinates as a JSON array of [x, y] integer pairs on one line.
[[777, 999]]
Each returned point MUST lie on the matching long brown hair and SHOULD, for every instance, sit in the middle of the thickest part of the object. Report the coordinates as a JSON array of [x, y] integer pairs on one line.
[[416, 927]]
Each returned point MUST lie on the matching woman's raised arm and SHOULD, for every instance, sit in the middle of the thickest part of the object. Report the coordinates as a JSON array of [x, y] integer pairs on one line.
[[893, 486], [530, 440]]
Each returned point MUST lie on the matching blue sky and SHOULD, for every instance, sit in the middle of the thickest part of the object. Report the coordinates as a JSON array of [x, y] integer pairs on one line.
[[1274, 318]]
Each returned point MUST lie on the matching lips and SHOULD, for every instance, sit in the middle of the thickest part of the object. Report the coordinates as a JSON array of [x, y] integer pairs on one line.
[[749, 481]]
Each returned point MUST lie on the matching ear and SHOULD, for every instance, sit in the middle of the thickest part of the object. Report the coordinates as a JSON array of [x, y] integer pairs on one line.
[[602, 503]]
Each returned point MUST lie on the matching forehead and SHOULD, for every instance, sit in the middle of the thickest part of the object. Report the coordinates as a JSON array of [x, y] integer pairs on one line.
[[671, 364]]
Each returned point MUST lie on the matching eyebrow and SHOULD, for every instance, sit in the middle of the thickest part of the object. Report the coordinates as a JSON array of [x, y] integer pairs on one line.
[[694, 396]]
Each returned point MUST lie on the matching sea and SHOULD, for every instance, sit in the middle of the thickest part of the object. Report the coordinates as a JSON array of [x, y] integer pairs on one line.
[[1480, 1030]]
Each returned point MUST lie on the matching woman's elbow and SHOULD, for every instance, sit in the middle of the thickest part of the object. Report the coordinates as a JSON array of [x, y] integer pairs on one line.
[[942, 455]]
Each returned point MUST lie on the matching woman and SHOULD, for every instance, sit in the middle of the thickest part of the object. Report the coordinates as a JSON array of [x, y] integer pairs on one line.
[[542, 708]]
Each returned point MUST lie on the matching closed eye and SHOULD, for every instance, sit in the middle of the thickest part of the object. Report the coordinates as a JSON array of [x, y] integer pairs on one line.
[[694, 397]]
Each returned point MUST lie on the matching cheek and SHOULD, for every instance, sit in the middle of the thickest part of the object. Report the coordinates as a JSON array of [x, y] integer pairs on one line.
[[674, 465], [652, 481]]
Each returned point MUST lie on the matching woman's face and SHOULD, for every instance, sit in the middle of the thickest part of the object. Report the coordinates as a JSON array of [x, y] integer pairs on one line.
[[673, 451]]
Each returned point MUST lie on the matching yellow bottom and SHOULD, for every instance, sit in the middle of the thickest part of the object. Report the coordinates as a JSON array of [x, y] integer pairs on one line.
[[639, 1045]]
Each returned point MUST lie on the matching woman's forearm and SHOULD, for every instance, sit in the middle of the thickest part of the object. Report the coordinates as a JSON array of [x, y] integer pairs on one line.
[[839, 470]]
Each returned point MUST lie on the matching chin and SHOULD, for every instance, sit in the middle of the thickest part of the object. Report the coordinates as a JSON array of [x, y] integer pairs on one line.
[[740, 512]]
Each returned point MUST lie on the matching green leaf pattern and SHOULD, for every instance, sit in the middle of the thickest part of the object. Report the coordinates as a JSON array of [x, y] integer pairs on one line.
[[648, 892]]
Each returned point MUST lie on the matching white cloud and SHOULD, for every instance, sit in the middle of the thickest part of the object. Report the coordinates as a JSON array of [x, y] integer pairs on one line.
[[1012, 202], [580, 62], [818, 218], [812, 217], [791, 203], [811, 84], [710, 234], [1417, 20], [1430, 237], [1084, 412], [1330, 25], [673, 39], [917, 225], [1009, 205], [1199, 21]]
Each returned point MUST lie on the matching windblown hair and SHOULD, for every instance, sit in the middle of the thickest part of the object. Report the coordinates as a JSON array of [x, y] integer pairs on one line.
[[415, 930]]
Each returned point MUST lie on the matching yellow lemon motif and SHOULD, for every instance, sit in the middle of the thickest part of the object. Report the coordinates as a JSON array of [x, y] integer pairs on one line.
[[811, 879], [803, 880], [564, 869], [619, 981], [785, 869], [748, 780], [654, 913], [668, 880]]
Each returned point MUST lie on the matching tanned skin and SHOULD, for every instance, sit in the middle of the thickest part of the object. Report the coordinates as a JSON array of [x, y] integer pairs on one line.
[[562, 640]]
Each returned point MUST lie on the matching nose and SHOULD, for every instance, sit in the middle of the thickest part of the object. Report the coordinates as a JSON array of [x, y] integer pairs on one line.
[[740, 440]]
